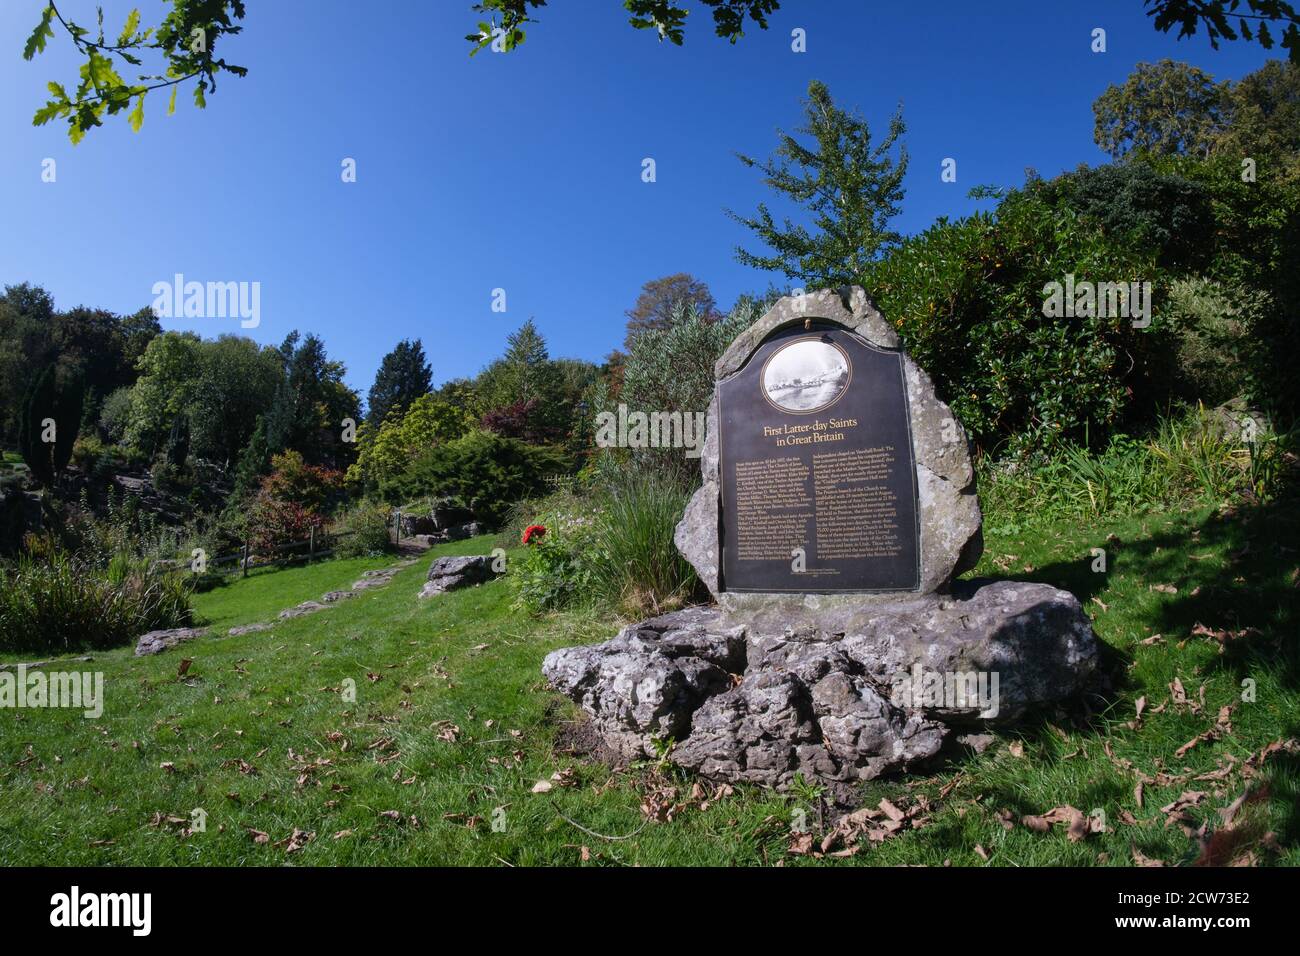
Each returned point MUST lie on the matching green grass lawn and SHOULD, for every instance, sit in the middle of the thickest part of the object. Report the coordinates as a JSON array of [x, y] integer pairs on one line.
[[436, 760], [268, 591]]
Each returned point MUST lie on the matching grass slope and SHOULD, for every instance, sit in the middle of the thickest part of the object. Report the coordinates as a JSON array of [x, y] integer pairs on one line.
[[452, 727]]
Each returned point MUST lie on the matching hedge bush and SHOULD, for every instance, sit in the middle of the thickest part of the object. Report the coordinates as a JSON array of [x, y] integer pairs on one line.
[[488, 472]]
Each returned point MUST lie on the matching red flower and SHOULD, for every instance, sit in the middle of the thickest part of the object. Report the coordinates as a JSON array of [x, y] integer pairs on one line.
[[533, 531]]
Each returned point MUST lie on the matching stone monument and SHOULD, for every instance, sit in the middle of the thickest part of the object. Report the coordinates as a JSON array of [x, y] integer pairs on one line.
[[837, 508]]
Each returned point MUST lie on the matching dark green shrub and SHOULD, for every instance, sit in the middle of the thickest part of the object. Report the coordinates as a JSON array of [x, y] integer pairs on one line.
[[49, 400], [488, 472], [1135, 202], [968, 299]]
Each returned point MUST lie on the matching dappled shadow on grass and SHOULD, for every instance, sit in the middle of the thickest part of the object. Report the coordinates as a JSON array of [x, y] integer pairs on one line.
[[1282, 773], [1237, 580], [1236, 603]]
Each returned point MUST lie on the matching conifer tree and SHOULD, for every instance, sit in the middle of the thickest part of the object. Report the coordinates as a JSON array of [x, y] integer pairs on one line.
[[404, 375], [851, 190]]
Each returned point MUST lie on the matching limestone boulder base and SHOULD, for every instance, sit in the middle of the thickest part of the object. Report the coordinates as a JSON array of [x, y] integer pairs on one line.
[[763, 699]]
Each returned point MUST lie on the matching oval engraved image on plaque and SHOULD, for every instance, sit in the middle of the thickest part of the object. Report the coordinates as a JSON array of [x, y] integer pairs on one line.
[[806, 376]]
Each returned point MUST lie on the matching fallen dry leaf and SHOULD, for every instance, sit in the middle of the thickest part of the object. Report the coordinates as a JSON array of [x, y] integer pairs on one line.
[[1139, 859], [1078, 825], [297, 840], [801, 844]]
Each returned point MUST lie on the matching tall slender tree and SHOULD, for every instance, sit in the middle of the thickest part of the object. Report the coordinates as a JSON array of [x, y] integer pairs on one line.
[[850, 189], [404, 375], [47, 429]]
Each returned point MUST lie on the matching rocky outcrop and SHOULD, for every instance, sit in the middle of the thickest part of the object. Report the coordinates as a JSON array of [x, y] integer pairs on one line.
[[302, 610], [842, 696], [448, 574], [378, 578], [649, 681], [155, 642]]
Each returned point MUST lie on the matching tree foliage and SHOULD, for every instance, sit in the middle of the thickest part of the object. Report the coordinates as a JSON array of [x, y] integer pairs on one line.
[[660, 297], [1174, 109], [404, 375], [183, 46], [1265, 118], [850, 189], [291, 479], [1166, 107], [526, 377], [666, 17], [236, 382], [670, 370], [169, 370], [94, 345], [311, 404], [1216, 17]]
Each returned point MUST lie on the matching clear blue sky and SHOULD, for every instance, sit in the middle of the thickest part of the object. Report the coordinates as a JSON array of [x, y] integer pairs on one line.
[[523, 170]]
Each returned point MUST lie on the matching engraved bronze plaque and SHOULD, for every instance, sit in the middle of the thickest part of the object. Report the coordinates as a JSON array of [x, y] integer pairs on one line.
[[818, 479]]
